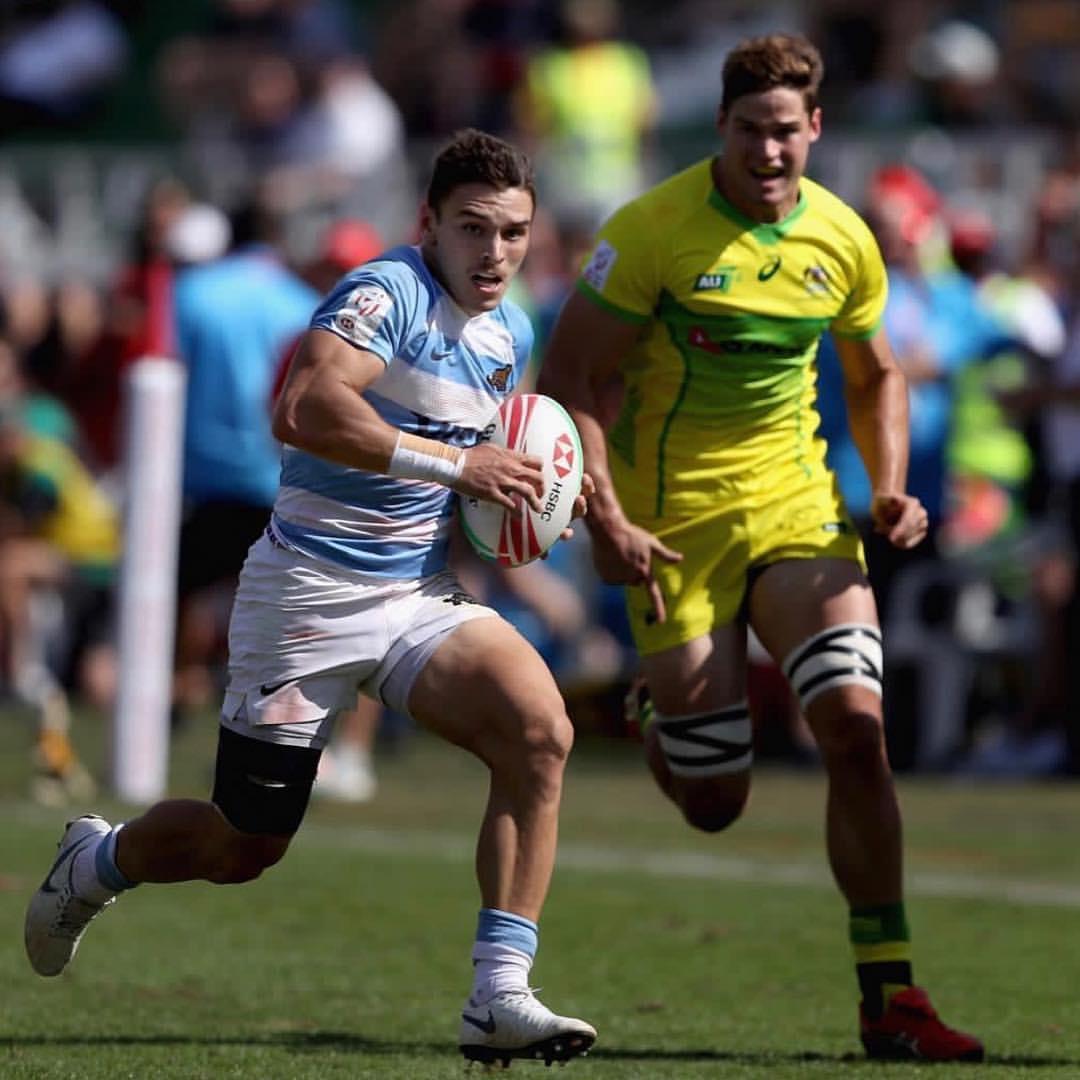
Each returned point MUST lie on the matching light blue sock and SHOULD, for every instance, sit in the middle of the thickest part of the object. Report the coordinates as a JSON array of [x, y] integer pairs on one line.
[[105, 867], [503, 953], [505, 928]]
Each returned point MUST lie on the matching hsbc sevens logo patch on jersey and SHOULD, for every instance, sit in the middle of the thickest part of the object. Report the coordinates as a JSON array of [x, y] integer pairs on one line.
[[599, 265], [362, 314]]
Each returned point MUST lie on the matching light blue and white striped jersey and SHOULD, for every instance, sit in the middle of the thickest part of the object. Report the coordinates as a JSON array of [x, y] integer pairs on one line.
[[446, 375]]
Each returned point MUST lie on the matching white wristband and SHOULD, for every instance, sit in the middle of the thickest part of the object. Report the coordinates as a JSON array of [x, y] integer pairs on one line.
[[416, 458]]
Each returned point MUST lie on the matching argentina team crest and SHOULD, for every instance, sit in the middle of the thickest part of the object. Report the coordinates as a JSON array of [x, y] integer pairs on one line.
[[499, 379]]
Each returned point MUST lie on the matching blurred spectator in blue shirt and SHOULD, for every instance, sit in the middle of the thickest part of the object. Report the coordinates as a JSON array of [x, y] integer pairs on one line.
[[234, 316]]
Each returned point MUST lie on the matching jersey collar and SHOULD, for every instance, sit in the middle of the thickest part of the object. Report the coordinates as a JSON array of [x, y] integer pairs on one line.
[[765, 232]]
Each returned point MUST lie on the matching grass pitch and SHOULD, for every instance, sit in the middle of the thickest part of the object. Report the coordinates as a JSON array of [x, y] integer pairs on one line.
[[694, 956]]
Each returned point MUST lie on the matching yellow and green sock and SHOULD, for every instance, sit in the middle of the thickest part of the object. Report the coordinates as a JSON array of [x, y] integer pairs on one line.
[[882, 943]]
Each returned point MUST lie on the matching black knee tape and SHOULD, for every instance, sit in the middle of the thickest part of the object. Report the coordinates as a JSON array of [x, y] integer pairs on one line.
[[260, 787]]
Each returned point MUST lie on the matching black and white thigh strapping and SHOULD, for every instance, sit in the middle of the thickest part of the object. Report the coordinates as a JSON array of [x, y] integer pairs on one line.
[[843, 655], [707, 744]]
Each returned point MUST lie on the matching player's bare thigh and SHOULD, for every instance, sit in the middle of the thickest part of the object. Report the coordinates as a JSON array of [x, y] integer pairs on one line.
[[793, 600], [487, 689], [701, 675]]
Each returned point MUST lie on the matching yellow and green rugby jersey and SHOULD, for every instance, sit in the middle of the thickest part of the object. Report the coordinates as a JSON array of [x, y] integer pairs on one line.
[[721, 384]]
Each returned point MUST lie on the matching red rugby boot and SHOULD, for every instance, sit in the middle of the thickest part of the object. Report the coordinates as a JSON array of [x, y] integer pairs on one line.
[[910, 1029]]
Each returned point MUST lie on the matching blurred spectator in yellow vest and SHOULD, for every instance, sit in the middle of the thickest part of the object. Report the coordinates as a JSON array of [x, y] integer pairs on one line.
[[59, 548], [587, 103]]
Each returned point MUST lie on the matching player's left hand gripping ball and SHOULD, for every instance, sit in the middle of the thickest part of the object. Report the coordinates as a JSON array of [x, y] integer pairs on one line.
[[538, 425]]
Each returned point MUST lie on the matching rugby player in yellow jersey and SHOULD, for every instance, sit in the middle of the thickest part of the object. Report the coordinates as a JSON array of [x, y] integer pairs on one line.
[[707, 297]]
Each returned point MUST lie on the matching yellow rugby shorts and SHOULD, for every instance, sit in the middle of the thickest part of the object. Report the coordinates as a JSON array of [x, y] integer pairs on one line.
[[722, 548]]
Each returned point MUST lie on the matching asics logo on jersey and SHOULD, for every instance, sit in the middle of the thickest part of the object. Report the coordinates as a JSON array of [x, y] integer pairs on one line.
[[769, 268], [487, 1026]]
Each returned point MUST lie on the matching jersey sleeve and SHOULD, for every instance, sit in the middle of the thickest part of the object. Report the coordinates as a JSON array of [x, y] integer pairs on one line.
[[371, 309], [621, 274], [862, 313]]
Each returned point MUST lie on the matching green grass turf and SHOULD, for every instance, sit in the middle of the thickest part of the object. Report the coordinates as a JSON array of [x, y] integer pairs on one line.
[[694, 956]]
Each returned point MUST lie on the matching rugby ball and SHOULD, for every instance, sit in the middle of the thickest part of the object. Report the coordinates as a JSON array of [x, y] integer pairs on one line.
[[538, 425]]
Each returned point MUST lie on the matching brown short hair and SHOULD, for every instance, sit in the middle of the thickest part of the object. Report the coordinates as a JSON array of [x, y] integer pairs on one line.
[[777, 60], [475, 157]]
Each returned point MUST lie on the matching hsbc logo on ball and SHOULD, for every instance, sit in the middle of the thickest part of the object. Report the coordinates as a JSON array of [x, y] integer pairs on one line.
[[562, 461], [562, 458]]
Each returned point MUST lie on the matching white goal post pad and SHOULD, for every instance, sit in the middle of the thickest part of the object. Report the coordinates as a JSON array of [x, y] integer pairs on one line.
[[154, 391]]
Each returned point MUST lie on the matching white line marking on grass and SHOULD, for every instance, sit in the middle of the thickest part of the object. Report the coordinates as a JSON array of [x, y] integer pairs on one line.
[[458, 847], [455, 847]]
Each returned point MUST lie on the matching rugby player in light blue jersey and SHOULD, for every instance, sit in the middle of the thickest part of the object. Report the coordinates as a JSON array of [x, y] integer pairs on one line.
[[405, 364]]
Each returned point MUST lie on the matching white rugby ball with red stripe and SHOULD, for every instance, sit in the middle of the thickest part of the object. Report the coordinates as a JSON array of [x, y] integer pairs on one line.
[[538, 425]]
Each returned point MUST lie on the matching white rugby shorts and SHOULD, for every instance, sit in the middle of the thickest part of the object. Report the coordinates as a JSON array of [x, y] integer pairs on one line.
[[305, 636]]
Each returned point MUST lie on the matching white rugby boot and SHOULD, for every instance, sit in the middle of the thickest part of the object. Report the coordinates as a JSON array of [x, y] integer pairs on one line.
[[515, 1024], [346, 775], [56, 918]]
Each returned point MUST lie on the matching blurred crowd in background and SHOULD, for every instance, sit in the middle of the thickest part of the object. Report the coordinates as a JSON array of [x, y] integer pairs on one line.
[[186, 180]]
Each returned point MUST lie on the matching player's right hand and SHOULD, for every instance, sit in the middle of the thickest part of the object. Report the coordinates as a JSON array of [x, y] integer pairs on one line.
[[502, 476], [623, 555], [901, 518]]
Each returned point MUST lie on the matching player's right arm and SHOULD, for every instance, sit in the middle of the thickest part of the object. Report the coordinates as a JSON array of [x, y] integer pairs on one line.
[[877, 400], [322, 410], [876, 393], [581, 370]]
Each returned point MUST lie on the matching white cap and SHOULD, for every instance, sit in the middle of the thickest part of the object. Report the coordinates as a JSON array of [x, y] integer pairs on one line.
[[200, 232], [955, 50]]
